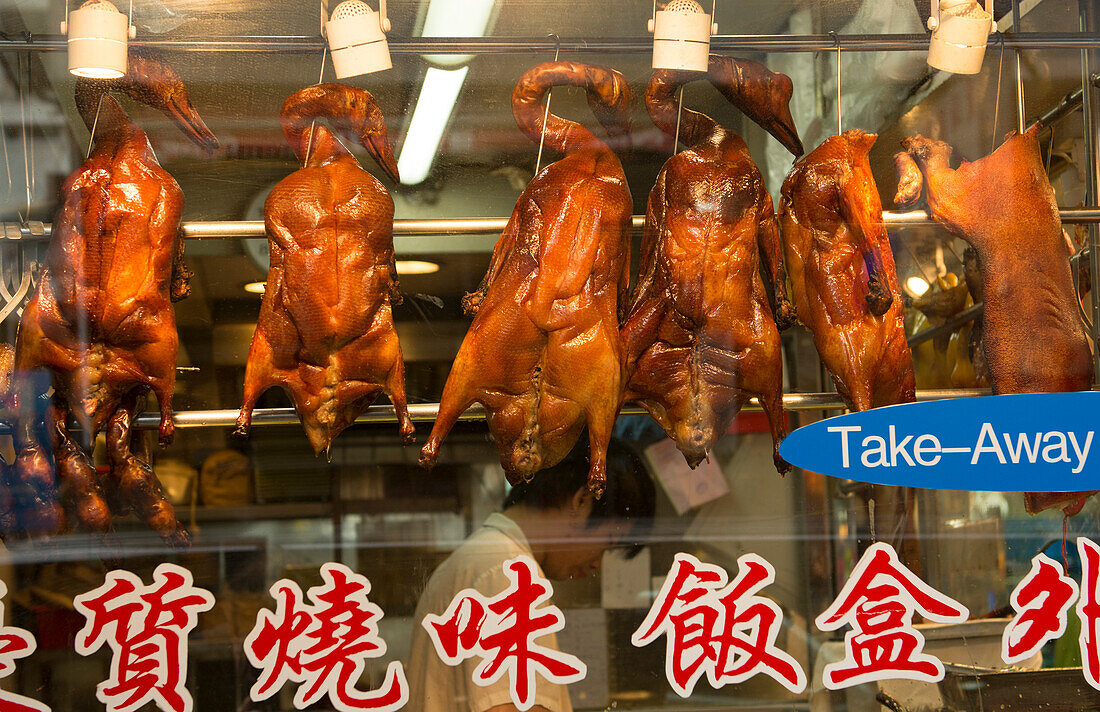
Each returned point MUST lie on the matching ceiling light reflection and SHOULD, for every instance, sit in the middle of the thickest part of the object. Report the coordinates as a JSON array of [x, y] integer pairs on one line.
[[416, 267], [916, 286], [444, 18], [255, 287], [429, 119], [456, 18]]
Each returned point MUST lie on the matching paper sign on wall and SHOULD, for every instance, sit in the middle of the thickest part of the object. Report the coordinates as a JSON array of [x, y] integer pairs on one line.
[[685, 487]]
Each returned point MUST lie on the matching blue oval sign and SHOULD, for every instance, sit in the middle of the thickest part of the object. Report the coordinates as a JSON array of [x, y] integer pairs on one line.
[[1043, 442]]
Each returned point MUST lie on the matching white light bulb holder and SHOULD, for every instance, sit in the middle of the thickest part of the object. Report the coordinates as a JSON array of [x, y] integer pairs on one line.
[[681, 40], [357, 38], [97, 39], [960, 33]]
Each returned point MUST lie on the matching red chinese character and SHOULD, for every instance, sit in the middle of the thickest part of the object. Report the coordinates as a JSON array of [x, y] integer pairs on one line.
[[502, 631], [725, 631], [1088, 609], [146, 628], [879, 601], [1042, 601], [324, 645], [15, 643]]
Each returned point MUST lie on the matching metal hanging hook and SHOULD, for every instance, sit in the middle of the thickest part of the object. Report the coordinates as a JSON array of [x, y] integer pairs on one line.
[[997, 96], [7, 163], [1016, 27], [95, 122], [313, 124], [546, 113], [13, 300], [26, 154], [1019, 93], [30, 91], [839, 115], [679, 110]]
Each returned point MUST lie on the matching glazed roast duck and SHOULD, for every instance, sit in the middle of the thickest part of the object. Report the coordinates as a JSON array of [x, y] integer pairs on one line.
[[100, 320], [543, 353], [701, 337], [842, 272], [846, 291], [326, 332], [1023, 262]]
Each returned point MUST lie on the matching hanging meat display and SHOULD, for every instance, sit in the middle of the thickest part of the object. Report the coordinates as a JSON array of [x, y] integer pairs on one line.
[[325, 332], [100, 319], [700, 337], [543, 353], [8, 519], [842, 272], [1023, 262], [846, 292]]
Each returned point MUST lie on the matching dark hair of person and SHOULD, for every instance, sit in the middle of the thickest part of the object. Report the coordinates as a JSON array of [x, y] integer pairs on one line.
[[629, 494]]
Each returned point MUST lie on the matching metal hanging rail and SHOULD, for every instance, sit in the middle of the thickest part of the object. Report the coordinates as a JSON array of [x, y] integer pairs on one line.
[[1069, 103], [965, 316], [426, 412], [574, 45], [240, 229]]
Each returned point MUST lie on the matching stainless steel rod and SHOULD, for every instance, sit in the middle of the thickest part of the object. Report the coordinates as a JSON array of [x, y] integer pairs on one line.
[[1089, 21], [604, 45], [239, 229], [915, 218], [1069, 103], [426, 412]]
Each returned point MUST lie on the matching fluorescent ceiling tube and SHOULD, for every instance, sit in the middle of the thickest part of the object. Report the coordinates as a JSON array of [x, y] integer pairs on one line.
[[433, 109], [444, 18], [456, 18]]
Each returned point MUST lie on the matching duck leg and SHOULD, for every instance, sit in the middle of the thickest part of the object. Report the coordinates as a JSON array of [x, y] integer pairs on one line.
[[135, 485]]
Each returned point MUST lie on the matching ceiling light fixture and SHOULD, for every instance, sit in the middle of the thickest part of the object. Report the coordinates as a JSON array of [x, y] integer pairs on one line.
[[98, 34], [681, 35], [255, 287], [357, 38], [439, 94], [960, 32], [416, 267]]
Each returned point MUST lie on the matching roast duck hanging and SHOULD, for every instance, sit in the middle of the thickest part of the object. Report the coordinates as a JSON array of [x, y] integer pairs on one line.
[[846, 291], [842, 272], [1004, 207], [543, 353], [701, 337], [326, 332], [100, 320]]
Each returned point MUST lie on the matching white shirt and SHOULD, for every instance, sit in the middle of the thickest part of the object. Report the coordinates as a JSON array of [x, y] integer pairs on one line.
[[435, 686]]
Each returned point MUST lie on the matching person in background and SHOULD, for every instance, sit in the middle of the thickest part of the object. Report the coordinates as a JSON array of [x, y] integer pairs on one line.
[[554, 520]]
